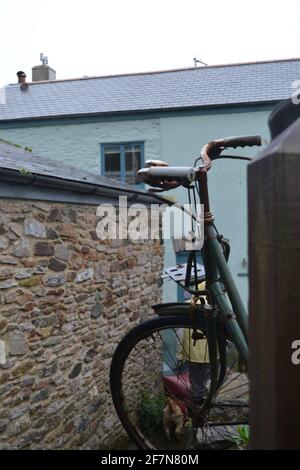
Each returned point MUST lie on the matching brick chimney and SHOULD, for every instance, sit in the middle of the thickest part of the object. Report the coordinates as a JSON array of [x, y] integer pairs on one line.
[[21, 77], [43, 72]]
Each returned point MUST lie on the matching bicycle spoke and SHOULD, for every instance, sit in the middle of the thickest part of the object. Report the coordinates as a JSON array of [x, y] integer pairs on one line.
[[234, 388], [181, 423]]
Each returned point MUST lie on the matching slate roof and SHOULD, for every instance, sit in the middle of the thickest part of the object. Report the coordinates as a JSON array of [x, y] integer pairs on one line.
[[259, 82], [17, 159]]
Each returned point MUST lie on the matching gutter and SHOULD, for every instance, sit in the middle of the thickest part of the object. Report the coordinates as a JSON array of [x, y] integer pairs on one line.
[[9, 176], [133, 112]]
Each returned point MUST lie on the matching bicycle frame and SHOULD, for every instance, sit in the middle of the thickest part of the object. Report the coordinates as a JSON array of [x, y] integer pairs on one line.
[[217, 276], [233, 314], [217, 270]]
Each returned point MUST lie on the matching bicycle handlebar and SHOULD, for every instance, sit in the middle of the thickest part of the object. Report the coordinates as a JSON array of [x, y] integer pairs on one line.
[[216, 147], [156, 175], [243, 141]]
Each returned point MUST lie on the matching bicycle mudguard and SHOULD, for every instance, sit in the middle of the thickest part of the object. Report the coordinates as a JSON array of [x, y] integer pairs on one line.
[[171, 308]]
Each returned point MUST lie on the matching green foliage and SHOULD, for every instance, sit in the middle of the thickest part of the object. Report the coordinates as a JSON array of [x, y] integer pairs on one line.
[[18, 146], [11, 143], [25, 172], [242, 440], [150, 412]]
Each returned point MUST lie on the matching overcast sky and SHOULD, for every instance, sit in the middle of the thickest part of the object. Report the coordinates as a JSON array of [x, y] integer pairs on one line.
[[102, 37]]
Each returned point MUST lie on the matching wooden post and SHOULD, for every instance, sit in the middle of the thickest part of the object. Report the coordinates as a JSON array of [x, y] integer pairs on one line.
[[274, 269]]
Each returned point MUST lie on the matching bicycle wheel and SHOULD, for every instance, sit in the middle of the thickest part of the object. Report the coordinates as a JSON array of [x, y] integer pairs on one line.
[[159, 389]]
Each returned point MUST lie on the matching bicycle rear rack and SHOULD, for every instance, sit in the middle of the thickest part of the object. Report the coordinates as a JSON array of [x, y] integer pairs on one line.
[[178, 273], [186, 275]]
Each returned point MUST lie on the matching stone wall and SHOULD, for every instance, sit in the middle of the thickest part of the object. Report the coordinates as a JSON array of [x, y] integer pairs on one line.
[[66, 298]]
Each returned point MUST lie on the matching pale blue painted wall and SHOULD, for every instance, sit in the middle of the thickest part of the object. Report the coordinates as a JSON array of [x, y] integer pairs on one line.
[[79, 144], [176, 139], [181, 141]]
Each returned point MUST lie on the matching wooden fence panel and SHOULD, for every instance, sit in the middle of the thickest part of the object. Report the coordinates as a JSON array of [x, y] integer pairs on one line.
[[274, 270]]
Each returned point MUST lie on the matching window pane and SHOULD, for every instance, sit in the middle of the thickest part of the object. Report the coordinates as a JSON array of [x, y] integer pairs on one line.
[[112, 159], [132, 163]]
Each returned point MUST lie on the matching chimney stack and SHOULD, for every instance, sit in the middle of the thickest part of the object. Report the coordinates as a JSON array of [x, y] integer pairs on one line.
[[43, 72], [21, 77]]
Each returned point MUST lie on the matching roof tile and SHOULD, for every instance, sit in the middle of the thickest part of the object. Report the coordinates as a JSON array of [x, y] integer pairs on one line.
[[195, 87]]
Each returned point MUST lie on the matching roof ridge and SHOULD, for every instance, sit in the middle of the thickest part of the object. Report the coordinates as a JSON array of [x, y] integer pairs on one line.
[[94, 77]]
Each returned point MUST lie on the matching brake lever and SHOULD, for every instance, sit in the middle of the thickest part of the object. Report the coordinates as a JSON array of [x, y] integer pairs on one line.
[[155, 190], [162, 185], [233, 157]]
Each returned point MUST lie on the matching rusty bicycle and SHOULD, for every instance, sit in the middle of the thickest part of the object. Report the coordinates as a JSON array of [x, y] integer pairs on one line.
[[179, 381]]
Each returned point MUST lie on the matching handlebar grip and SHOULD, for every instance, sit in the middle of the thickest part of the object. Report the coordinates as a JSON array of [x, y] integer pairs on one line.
[[170, 173], [243, 141]]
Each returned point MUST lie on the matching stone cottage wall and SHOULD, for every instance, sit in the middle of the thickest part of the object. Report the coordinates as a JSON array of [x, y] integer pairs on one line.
[[66, 298]]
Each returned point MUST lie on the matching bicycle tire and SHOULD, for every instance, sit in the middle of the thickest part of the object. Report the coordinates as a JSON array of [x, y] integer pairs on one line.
[[143, 439]]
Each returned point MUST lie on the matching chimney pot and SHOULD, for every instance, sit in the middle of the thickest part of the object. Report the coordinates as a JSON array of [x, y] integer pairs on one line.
[[21, 77]]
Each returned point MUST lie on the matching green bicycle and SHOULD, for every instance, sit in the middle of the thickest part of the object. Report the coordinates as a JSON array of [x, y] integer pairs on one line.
[[179, 381]]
